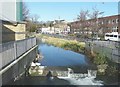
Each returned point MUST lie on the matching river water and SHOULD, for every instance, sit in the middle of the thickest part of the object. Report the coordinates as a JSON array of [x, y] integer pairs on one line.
[[54, 56], [58, 59]]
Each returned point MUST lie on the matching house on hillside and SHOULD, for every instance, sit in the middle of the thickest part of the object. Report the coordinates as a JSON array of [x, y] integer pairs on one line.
[[57, 27], [61, 27]]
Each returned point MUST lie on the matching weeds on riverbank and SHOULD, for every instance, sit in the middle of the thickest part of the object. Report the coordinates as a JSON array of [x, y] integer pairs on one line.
[[72, 45], [106, 68]]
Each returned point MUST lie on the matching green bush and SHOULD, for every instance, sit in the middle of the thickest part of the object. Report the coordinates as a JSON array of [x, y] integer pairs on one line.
[[100, 59]]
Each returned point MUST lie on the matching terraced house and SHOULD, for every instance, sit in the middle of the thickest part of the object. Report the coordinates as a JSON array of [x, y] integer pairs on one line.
[[100, 26]]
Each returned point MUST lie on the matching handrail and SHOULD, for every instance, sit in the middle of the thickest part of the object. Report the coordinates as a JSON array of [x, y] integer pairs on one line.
[[12, 50]]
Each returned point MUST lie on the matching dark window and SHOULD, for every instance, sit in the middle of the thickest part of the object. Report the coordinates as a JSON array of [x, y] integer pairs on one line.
[[117, 30], [111, 35], [118, 20], [107, 35], [119, 36], [115, 35], [106, 21]]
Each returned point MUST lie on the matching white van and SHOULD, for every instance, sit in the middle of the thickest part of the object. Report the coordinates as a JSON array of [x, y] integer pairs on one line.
[[114, 36]]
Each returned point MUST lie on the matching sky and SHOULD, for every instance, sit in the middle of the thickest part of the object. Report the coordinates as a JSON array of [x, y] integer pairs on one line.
[[49, 11]]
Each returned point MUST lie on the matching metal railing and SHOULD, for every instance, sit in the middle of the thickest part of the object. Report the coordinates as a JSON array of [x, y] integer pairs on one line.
[[12, 50]]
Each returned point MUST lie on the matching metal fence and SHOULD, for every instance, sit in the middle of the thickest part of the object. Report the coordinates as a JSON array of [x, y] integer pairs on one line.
[[109, 49], [12, 50]]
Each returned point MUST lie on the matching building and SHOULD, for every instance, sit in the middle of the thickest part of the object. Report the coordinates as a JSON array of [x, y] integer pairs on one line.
[[61, 27], [47, 30], [58, 27], [15, 56], [100, 26], [13, 28]]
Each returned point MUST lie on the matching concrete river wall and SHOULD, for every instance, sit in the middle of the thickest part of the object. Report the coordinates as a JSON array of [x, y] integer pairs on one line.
[[16, 58], [108, 48]]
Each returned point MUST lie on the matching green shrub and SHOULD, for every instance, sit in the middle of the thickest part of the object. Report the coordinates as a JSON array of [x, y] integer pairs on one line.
[[100, 59]]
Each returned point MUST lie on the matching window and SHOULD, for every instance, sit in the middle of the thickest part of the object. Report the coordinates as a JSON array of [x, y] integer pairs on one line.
[[107, 35], [108, 21], [117, 20], [113, 21], [119, 36], [115, 35], [102, 22], [117, 30], [111, 35]]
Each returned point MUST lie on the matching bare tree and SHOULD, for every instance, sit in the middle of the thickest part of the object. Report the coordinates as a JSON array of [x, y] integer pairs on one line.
[[95, 26], [25, 11], [35, 18], [82, 17]]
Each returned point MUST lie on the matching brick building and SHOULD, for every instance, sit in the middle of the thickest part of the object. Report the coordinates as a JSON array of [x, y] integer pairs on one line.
[[100, 25]]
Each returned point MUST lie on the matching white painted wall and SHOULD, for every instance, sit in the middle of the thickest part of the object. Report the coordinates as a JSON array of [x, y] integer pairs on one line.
[[55, 30], [48, 30]]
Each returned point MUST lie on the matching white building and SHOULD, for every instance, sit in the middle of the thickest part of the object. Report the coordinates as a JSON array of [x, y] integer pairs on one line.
[[59, 27], [47, 30]]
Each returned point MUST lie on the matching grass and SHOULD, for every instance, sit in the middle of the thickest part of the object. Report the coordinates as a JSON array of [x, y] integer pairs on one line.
[[63, 43]]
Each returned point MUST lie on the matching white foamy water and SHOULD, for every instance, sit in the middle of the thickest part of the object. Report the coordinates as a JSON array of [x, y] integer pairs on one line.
[[82, 81]]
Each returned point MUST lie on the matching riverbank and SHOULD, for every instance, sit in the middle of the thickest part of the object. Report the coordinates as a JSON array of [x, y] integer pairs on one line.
[[106, 68], [72, 45]]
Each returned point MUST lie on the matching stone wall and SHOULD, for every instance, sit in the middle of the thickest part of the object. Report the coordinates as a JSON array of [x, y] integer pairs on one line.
[[11, 32]]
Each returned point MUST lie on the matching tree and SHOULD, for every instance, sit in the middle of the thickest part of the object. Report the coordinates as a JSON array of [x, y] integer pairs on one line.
[[95, 26], [33, 23], [82, 17], [35, 18], [25, 11]]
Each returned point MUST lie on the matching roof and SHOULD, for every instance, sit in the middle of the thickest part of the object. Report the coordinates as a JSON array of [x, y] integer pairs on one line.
[[106, 17], [12, 22]]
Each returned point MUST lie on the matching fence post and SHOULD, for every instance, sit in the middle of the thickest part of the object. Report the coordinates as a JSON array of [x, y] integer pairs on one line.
[[15, 50]]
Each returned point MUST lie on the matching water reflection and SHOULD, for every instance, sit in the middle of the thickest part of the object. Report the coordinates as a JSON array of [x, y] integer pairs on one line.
[[54, 56]]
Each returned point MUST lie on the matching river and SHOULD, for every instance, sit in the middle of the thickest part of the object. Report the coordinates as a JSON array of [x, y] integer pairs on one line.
[[58, 57], [55, 56]]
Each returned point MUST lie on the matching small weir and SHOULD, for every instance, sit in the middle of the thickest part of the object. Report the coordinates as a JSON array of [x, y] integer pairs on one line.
[[68, 75], [79, 78]]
